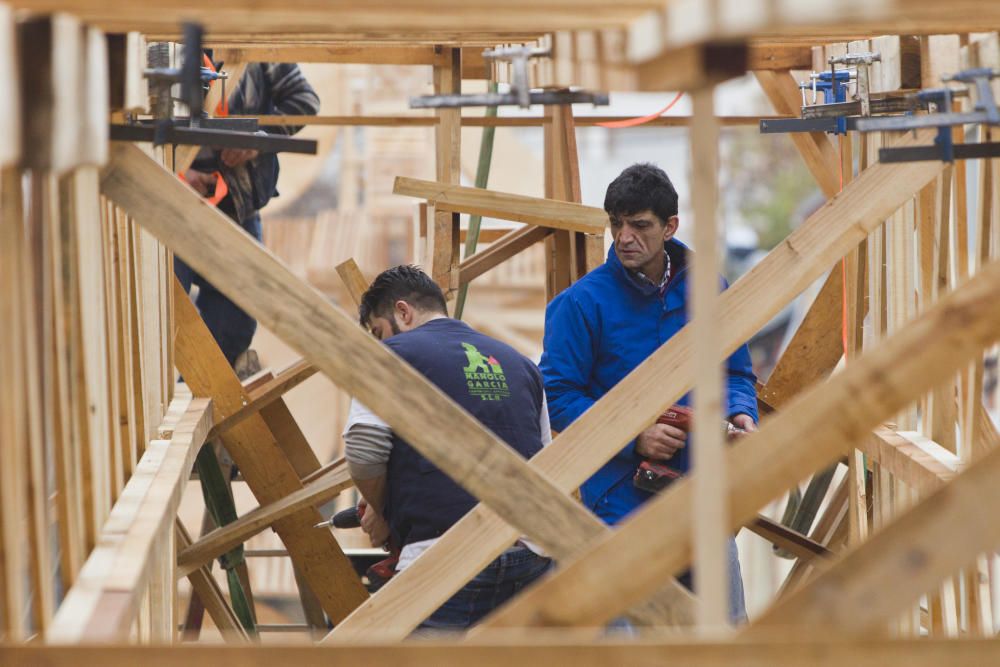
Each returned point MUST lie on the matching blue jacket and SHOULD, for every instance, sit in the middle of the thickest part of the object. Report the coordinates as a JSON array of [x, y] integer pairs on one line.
[[599, 330]]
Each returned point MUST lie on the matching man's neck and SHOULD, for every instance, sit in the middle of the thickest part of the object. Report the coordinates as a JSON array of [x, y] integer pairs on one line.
[[654, 268], [424, 319]]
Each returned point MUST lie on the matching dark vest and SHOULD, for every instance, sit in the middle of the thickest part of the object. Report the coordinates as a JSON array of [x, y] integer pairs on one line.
[[490, 380]]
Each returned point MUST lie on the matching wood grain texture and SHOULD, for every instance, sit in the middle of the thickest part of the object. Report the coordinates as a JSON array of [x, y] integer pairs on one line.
[[221, 540], [579, 451], [414, 408], [103, 603], [547, 650], [354, 280], [504, 206], [500, 251], [804, 437], [943, 533], [265, 466], [10, 103]]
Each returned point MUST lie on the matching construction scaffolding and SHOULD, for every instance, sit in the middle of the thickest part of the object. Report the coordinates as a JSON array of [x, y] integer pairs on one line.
[[876, 405]]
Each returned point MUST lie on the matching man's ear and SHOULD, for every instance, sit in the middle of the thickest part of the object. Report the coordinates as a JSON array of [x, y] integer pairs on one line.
[[404, 311], [670, 228]]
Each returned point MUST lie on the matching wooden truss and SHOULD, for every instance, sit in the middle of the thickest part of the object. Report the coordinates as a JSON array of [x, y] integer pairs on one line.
[[97, 441]]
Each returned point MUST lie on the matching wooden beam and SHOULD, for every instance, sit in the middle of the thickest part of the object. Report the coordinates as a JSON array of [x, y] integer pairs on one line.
[[907, 460], [662, 379], [442, 237], [500, 251], [357, 53], [412, 406], [863, 590], [10, 103], [545, 650], [354, 279], [500, 121], [815, 348], [103, 603], [267, 394], [208, 591], [518, 208], [815, 147], [266, 467], [259, 519], [693, 66], [813, 430]]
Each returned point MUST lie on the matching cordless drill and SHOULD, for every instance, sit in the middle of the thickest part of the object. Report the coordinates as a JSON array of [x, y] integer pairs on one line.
[[381, 572], [654, 476]]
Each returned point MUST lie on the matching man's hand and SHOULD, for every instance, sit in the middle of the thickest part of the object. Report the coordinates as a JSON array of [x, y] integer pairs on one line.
[[203, 183], [744, 422], [660, 442], [374, 525], [234, 157]]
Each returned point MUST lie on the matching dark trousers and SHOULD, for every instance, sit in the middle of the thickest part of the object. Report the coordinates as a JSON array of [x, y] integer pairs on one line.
[[512, 570], [232, 328]]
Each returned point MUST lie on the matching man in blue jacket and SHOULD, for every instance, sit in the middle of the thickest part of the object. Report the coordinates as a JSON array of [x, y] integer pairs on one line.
[[607, 323]]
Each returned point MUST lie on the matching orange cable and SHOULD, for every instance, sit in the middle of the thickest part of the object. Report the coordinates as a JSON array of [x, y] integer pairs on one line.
[[632, 122]]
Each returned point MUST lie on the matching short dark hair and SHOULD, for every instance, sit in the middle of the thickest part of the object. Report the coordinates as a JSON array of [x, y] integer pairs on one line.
[[400, 283], [641, 187]]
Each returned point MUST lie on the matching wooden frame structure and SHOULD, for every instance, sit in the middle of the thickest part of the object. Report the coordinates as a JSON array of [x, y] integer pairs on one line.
[[96, 439]]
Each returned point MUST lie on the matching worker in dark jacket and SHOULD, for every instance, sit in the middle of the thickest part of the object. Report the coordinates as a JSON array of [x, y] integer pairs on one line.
[[410, 502], [250, 179], [602, 327]]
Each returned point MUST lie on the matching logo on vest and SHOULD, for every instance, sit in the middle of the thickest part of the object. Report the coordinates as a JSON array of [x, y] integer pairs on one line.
[[484, 375]]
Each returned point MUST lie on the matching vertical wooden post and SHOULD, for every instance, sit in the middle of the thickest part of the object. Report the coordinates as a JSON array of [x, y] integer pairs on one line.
[[710, 534], [445, 250]]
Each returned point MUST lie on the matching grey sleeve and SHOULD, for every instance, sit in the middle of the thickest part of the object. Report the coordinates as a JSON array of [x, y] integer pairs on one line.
[[367, 448]]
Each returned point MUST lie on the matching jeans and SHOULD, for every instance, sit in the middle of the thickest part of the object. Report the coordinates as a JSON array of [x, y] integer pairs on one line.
[[232, 328], [512, 571]]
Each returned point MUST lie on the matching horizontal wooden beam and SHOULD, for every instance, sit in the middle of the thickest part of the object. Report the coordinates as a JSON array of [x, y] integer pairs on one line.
[[830, 233], [267, 394], [906, 460], [548, 213], [358, 53], [810, 432], [104, 601], [543, 650], [219, 541], [412, 120]]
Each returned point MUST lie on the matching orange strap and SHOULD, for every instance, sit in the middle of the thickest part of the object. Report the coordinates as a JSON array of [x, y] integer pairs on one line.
[[632, 122], [221, 189], [222, 108]]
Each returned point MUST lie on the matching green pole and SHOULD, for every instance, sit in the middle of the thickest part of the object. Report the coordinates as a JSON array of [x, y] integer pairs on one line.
[[482, 177]]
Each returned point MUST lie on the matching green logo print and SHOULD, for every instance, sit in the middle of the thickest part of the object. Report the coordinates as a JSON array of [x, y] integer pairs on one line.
[[484, 376]]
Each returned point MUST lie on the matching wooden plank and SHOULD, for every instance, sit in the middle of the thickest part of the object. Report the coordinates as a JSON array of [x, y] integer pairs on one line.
[[266, 468], [546, 650], [221, 540], [103, 603], [517, 208], [693, 66], [427, 418], [710, 535], [500, 121], [10, 103], [816, 149], [14, 440], [815, 347], [500, 251], [267, 394], [660, 381], [906, 460], [914, 553], [357, 53], [354, 279], [210, 594], [594, 587], [445, 249]]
